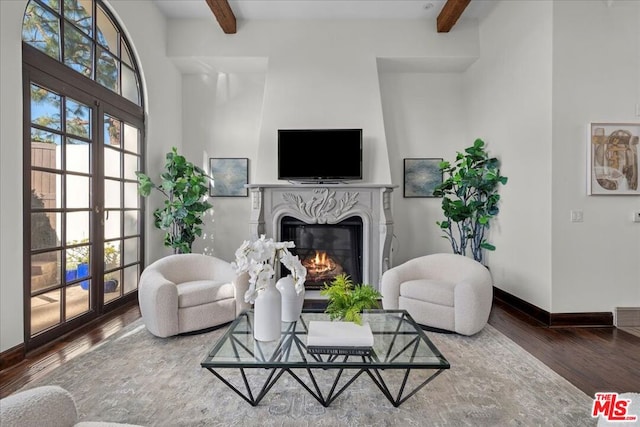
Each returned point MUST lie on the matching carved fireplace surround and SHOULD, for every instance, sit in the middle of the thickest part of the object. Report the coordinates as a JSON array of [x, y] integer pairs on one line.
[[330, 204]]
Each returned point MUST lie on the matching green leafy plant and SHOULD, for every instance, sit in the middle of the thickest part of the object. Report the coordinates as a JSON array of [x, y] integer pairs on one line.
[[185, 187], [78, 254], [347, 300], [470, 199], [111, 255]]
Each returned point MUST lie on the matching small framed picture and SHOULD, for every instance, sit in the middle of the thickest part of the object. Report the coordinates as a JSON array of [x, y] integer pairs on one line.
[[613, 163], [421, 176], [229, 177]]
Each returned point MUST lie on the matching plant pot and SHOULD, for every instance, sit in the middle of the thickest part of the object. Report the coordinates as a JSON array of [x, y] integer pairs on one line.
[[70, 275], [110, 285], [83, 271]]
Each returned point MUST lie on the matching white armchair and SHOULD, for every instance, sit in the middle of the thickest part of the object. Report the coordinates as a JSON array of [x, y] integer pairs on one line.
[[443, 291], [189, 292], [50, 406]]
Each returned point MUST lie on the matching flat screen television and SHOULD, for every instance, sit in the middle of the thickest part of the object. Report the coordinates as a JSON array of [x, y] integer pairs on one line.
[[313, 155]]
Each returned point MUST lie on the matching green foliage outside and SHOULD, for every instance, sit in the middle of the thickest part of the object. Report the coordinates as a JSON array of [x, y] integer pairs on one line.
[[68, 31], [346, 300], [41, 29], [78, 253], [470, 199], [185, 187]]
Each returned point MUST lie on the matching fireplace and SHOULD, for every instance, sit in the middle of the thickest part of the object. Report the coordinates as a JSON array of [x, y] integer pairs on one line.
[[352, 220], [326, 250]]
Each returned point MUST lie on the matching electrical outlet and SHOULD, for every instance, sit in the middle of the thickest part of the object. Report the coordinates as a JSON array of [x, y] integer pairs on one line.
[[576, 216], [636, 216]]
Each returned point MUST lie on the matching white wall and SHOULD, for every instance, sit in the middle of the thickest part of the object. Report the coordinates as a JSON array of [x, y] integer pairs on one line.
[[596, 77], [545, 71], [163, 92], [424, 116], [508, 94], [11, 313], [321, 74], [221, 117], [509, 97]]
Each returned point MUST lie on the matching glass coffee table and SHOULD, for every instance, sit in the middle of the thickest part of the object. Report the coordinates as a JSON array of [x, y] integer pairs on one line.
[[401, 351]]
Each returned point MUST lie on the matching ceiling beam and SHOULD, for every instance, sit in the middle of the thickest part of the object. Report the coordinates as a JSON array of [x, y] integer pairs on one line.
[[224, 15], [450, 13]]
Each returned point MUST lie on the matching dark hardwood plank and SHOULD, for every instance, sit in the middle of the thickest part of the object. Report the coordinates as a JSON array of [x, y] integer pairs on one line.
[[593, 359], [42, 361]]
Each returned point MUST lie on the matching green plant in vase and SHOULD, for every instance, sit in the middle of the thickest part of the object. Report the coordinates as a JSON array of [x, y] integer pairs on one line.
[[185, 187], [470, 199], [347, 300]]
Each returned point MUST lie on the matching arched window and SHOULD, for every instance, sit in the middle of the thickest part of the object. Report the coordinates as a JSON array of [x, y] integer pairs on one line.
[[83, 36], [83, 143]]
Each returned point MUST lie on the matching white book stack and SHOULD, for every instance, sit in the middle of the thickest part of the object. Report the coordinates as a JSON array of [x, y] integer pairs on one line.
[[327, 337]]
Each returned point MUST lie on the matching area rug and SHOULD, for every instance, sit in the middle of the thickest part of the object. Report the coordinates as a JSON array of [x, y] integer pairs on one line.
[[134, 377]]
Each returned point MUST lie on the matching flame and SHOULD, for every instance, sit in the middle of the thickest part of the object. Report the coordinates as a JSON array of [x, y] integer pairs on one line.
[[320, 263], [321, 258]]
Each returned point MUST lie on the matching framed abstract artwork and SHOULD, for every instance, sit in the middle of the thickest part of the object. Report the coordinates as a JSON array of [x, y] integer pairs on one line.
[[229, 177], [613, 164], [421, 176]]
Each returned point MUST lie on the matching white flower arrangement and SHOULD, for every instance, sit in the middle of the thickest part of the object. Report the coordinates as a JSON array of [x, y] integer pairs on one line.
[[259, 258]]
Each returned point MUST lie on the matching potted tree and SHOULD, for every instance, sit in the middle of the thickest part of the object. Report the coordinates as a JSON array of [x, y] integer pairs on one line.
[[185, 187], [470, 199]]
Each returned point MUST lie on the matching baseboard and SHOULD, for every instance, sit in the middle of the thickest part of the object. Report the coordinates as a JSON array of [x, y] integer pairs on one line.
[[527, 308], [555, 320], [12, 356], [587, 320]]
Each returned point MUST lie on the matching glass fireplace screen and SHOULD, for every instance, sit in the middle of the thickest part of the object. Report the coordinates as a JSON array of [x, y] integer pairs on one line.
[[326, 250]]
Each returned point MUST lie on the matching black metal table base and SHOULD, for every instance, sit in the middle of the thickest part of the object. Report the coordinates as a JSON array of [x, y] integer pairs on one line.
[[335, 390]]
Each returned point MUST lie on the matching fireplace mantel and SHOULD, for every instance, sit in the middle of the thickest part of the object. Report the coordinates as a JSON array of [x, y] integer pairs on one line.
[[330, 204]]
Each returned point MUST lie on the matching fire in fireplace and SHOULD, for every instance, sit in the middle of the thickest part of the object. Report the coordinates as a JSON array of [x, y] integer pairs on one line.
[[326, 250], [321, 267]]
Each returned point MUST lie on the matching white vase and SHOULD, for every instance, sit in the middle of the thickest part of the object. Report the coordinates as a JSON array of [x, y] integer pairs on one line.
[[291, 302], [266, 314]]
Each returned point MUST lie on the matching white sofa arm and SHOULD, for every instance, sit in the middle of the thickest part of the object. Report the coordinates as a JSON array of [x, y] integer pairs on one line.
[[394, 277], [41, 406], [472, 302], [158, 300], [241, 285], [390, 288]]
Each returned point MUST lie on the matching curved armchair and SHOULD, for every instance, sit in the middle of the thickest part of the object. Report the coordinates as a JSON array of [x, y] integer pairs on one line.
[[48, 405], [444, 291], [189, 292]]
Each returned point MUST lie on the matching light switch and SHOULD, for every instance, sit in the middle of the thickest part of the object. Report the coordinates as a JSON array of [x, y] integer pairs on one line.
[[576, 216]]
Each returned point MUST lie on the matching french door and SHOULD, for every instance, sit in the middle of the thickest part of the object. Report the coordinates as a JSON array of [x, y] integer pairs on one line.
[[83, 215]]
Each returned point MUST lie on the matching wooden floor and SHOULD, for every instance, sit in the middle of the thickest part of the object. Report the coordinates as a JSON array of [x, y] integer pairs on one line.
[[593, 359]]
